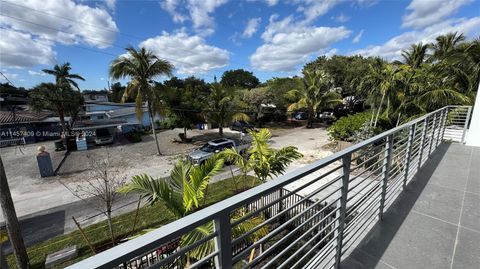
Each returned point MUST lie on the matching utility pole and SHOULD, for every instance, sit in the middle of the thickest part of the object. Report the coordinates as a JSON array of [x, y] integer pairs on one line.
[[11, 221]]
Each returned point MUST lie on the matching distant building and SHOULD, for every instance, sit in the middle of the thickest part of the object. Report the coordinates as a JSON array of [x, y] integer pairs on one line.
[[22, 127], [96, 96]]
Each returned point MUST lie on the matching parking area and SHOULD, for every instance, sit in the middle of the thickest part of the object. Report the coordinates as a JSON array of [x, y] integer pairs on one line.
[[32, 193]]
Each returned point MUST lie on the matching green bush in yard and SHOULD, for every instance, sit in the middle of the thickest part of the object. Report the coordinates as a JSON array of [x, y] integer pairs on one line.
[[345, 128]]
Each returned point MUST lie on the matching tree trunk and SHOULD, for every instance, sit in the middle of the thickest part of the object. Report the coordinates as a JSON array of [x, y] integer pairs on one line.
[[220, 130], [110, 226], [310, 119], [379, 109], [185, 132], [61, 115], [150, 114], [13, 226]]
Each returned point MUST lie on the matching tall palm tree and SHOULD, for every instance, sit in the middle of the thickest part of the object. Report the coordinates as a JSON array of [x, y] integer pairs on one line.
[[416, 55], [265, 161], [222, 109], [63, 78], [446, 44], [141, 66], [315, 95]]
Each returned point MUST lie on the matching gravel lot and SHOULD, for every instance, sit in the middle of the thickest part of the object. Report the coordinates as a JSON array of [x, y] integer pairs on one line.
[[32, 193]]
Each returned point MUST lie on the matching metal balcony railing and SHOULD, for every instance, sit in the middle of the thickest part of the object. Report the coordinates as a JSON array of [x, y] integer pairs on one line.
[[310, 218]]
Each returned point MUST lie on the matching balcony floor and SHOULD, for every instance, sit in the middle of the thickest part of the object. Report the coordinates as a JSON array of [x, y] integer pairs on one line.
[[435, 223]]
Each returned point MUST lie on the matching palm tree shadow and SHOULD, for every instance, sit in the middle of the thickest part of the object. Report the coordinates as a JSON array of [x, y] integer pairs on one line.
[[370, 250]]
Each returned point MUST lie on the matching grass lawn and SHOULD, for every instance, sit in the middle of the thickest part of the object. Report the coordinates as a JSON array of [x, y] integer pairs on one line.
[[148, 217]]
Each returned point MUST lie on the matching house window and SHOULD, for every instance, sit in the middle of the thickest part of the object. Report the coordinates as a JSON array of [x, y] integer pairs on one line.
[[100, 117]]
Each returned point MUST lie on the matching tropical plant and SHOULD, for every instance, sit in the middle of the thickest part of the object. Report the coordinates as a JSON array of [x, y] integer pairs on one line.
[[222, 109], [63, 78], [260, 157], [416, 55], [142, 66], [446, 44], [183, 193], [239, 78], [316, 94]]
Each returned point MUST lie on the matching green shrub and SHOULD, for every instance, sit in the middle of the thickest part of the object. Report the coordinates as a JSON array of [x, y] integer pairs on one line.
[[346, 128]]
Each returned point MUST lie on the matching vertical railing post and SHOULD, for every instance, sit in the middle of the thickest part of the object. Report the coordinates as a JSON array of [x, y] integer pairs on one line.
[[441, 127], [465, 126], [223, 241], [432, 134], [411, 132], [422, 142], [386, 172], [346, 160], [447, 110]]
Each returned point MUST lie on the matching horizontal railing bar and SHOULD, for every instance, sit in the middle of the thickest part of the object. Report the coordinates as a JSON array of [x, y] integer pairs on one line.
[[374, 203], [204, 259], [368, 170], [364, 227], [327, 250], [364, 187], [276, 244], [310, 241], [258, 227], [323, 187], [325, 253], [369, 159], [367, 219], [186, 249], [369, 151]]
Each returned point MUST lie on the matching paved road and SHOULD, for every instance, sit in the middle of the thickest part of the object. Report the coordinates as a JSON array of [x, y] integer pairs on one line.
[[56, 221]]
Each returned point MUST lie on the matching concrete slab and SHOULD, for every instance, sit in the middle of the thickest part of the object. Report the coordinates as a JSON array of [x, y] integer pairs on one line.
[[471, 212], [467, 252]]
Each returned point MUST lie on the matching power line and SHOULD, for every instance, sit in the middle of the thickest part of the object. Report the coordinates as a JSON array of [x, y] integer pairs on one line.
[[7, 79]]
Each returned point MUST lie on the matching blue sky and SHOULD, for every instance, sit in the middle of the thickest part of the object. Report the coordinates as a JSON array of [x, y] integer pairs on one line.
[[272, 38]]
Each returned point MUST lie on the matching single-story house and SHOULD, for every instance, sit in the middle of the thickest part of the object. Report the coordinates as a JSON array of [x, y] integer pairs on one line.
[[26, 126], [123, 112]]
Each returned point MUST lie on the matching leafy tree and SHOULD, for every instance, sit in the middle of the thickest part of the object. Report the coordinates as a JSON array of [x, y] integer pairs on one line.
[[239, 78], [222, 109], [63, 78], [315, 95], [446, 44], [116, 93], [142, 66], [183, 106], [64, 101]]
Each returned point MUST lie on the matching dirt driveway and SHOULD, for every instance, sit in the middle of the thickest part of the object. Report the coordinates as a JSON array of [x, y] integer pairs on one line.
[[32, 193]]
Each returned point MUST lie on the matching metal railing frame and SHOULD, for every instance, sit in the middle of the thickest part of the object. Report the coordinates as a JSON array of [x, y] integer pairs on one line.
[[220, 212]]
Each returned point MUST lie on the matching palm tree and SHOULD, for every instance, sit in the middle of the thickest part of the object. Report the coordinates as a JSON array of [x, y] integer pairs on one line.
[[315, 95], [141, 66], [63, 100], [222, 109], [388, 81], [265, 161], [183, 194], [446, 44], [63, 78], [416, 55]]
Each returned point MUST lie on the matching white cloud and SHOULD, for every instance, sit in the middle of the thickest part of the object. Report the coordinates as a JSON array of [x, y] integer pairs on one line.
[[392, 49], [189, 54], [425, 13], [268, 2], [36, 73], [288, 44], [22, 50], [252, 27], [28, 36], [96, 27], [111, 4], [171, 7], [357, 38], [313, 9], [342, 18], [331, 52], [199, 12]]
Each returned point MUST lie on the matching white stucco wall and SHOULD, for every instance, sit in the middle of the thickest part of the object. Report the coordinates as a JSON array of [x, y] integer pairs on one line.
[[473, 136]]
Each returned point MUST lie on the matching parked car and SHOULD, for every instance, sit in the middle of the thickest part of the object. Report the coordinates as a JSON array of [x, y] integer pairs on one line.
[[200, 155], [326, 117], [241, 126], [103, 136], [301, 116]]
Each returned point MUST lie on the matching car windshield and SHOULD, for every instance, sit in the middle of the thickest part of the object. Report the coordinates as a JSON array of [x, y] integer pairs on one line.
[[208, 148]]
